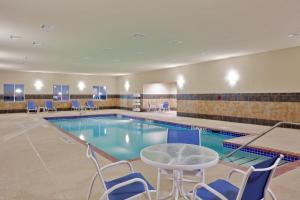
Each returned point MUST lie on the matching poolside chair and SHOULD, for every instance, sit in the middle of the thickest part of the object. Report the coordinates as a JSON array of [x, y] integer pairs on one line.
[[75, 105], [186, 137], [31, 106], [255, 184], [133, 184], [49, 106], [90, 105], [151, 107], [165, 106]]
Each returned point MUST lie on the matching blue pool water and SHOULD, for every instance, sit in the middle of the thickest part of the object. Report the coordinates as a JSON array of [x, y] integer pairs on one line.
[[123, 137]]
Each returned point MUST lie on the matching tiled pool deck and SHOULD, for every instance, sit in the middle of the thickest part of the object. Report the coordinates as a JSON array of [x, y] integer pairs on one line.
[[38, 161]]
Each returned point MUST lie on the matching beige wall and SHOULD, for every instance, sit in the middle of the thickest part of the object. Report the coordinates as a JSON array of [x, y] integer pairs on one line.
[[48, 79], [160, 88], [276, 71]]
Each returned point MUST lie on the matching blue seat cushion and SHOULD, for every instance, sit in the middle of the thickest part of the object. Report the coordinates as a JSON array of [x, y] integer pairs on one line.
[[222, 186], [128, 190]]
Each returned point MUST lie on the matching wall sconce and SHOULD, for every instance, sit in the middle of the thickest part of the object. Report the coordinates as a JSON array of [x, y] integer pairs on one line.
[[81, 85], [180, 81], [232, 77], [38, 84], [127, 86]]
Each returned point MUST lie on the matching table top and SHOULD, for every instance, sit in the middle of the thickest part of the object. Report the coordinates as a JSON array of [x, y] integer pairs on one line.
[[179, 156]]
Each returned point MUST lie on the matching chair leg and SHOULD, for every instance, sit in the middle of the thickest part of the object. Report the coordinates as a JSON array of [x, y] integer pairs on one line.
[[158, 184], [91, 186], [272, 195]]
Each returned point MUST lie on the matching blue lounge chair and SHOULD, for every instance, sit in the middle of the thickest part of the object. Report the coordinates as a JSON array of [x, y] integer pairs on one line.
[[90, 105], [31, 106], [186, 137], [255, 184], [133, 184], [165, 106], [49, 106], [75, 105]]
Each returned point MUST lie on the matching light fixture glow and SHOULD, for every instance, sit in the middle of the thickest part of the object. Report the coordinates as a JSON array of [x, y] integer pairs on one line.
[[38, 84], [180, 81], [81, 85], [232, 77], [127, 139], [127, 85]]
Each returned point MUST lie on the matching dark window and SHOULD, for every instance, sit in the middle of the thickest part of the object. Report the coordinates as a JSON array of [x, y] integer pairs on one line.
[[14, 92], [99, 92], [61, 93]]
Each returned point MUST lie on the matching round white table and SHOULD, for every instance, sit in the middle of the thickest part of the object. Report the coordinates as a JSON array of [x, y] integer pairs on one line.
[[179, 157]]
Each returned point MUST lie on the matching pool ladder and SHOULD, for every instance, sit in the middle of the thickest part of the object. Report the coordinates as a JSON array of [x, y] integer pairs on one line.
[[259, 136]]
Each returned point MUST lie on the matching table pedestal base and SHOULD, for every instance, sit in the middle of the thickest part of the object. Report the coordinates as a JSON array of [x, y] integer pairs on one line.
[[177, 186]]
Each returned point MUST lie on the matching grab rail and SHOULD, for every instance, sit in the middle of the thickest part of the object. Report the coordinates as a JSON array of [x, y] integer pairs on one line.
[[256, 138]]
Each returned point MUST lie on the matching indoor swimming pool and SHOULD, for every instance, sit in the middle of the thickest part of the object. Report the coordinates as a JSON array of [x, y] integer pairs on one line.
[[123, 137]]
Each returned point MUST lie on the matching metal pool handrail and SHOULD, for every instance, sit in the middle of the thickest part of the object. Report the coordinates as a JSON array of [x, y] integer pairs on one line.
[[256, 138]]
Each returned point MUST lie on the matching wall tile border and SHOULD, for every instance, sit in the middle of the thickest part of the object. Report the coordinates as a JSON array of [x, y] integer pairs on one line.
[[266, 97], [159, 96]]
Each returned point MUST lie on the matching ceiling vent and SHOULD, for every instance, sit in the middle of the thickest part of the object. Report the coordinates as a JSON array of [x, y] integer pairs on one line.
[[47, 28]]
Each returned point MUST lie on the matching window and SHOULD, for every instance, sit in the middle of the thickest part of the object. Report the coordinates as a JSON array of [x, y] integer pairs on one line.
[[14, 92], [61, 93], [99, 92]]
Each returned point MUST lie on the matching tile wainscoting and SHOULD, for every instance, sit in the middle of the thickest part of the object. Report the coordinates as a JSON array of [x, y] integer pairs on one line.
[[256, 108], [252, 108]]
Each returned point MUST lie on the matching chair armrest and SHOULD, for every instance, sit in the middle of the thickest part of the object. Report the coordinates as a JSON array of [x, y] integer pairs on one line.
[[106, 193], [122, 162], [233, 171], [210, 189]]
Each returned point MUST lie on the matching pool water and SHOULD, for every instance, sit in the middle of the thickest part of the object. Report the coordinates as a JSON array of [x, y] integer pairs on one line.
[[123, 137]]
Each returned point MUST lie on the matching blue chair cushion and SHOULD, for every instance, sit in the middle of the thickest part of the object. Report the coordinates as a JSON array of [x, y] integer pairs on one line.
[[128, 190], [183, 136], [222, 186]]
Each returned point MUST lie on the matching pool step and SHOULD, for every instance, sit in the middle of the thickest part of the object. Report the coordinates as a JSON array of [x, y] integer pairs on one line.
[[245, 161], [254, 161], [232, 159], [249, 161]]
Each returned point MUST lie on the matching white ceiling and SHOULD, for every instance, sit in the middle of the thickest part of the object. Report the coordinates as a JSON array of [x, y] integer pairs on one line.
[[97, 36]]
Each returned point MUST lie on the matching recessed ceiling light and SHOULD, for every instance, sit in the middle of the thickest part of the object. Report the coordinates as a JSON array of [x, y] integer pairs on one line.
[[13, 37], [35, 43], [107, 49], [86, 58], [292, 35], [139, 36], [139, 53], [47, 28], [176, 42]]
